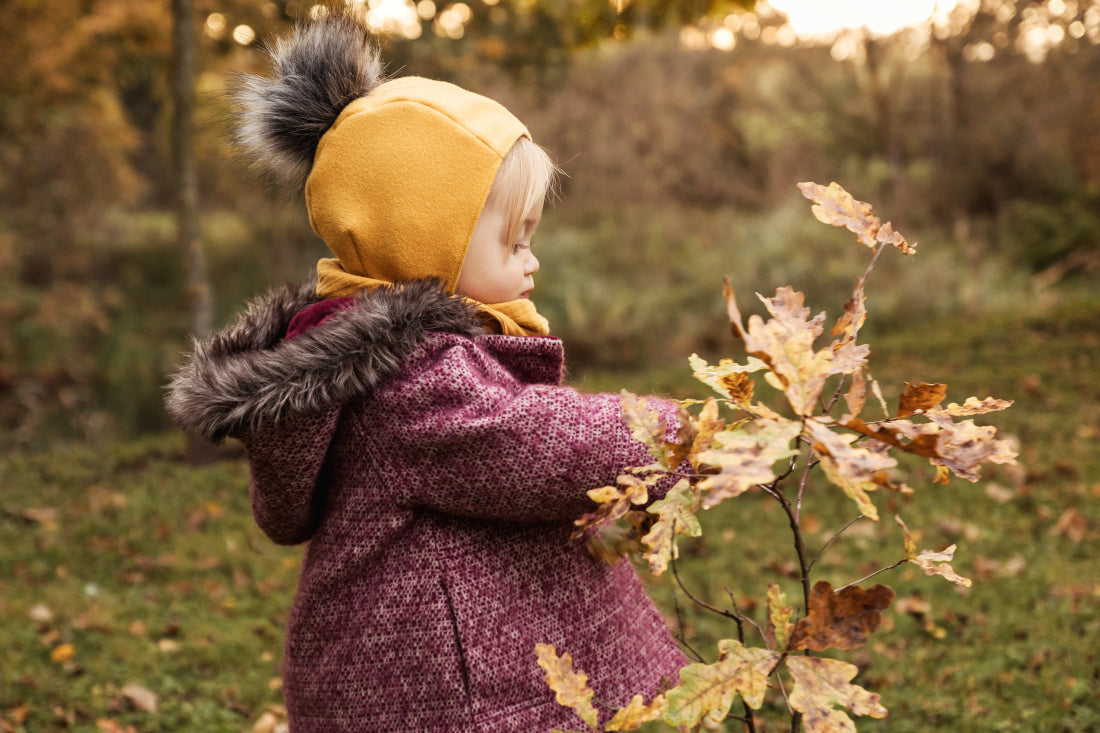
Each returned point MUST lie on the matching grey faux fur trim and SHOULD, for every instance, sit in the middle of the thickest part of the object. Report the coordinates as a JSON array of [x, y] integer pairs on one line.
[[248, 376], [322, 67]]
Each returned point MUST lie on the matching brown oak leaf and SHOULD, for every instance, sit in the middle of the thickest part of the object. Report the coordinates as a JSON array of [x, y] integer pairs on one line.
[[920, 397], [840, 620]]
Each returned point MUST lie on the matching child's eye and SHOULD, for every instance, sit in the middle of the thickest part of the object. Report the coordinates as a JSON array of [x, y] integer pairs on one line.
[[520, 246]]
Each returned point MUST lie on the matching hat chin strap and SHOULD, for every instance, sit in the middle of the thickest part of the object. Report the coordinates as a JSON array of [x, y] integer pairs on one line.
[[513, 318]]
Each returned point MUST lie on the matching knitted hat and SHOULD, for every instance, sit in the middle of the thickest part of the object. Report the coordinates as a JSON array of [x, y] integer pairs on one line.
[[396, 173]]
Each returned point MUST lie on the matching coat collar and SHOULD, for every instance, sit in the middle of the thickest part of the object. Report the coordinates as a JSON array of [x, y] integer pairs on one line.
[[249, 375]]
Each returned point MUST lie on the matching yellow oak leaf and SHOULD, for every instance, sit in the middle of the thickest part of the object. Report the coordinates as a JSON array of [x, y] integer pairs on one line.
[[706, 691], [820, 684], [707, 425], [615, 501], [676, 516], [745, 458], [636, 712], [62, 653], [570, 687], [645, 425], [785, 344], [779, 617], [727, 378]]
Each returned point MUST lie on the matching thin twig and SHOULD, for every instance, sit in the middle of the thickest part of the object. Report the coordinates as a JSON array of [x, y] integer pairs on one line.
[[742, 617], [683, 636], [802, 487], [799, 547], [698, 601], [868, 577], [828, 542]]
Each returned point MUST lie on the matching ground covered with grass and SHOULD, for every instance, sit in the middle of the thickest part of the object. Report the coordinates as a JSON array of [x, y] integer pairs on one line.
[[136, 593]]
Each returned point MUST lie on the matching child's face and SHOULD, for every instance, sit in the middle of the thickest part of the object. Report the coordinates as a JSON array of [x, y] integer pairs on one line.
[[496, 269]]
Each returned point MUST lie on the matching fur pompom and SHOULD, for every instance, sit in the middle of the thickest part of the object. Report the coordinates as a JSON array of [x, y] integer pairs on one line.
[[326, 64]]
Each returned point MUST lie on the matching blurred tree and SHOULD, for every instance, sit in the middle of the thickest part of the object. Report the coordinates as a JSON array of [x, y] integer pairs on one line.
[[184, 168]]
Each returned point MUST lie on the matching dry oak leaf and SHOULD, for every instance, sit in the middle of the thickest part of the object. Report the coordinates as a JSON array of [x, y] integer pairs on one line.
[[972, 406], [785, 343], [614, 502], [707, 425], [570, 688], [636, 712], [853, 468], [727, 378], [963, 447], [140, 697], [931, 563], [707, 690], [819, 685], [676, 516], [856, 396], [837, 207], [841, 619], [853, 317], [745, 459], [920, 397], [645, 425]]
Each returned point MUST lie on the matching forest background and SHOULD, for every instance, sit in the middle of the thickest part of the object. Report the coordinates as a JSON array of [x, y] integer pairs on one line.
[[683, 128]]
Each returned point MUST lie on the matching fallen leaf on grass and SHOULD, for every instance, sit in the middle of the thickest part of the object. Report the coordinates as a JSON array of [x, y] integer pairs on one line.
[[110, 726], [140, 697], [40, 613], [1072, 524], [62, 653]]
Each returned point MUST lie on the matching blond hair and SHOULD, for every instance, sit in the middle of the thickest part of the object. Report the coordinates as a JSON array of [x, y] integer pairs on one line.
[[525, 179]]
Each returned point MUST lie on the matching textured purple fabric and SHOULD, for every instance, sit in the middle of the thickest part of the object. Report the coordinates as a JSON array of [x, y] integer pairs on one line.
[[438, 510]]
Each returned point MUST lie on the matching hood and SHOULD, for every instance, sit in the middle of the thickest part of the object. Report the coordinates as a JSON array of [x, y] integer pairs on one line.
[[249, 376]]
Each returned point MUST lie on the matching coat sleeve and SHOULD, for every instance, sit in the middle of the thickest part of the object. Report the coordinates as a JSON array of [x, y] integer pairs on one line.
[[460, 434]]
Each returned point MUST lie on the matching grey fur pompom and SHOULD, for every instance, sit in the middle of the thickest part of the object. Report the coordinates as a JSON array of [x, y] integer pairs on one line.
[[321, 68]]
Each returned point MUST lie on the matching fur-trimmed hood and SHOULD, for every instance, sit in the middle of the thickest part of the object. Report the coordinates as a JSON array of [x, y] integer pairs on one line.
[[249, 376]]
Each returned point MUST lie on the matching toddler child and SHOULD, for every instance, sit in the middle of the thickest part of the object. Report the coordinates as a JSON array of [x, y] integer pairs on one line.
[[403, 414]]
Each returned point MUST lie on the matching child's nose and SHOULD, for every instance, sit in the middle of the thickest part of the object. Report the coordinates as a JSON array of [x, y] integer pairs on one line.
[[532, 264]]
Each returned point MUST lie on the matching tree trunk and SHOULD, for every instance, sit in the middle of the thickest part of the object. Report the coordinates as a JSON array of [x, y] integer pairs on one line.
[[185, 186], [185, 181]]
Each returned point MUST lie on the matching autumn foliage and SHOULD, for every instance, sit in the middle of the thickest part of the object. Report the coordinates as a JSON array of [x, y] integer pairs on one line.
[[835, 422]]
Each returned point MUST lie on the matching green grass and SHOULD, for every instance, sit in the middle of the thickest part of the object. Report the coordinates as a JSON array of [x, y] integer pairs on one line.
[[154, 573]]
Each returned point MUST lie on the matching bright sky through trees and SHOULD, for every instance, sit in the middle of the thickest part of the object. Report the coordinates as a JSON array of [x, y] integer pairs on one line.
[[809, 17]]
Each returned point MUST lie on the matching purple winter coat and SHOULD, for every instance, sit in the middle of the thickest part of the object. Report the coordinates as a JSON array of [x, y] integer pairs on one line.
[[435, 473]]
